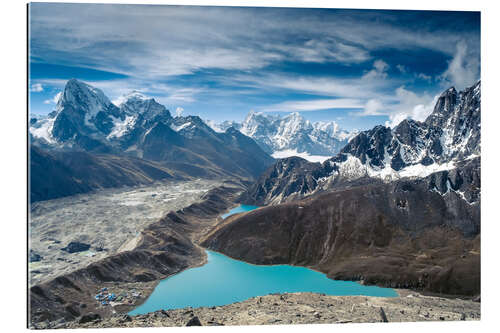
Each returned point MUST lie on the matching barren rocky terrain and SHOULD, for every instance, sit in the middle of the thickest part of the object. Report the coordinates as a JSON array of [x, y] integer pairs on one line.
[[110, 221], [300, 308], [166, 247], [170, 245]]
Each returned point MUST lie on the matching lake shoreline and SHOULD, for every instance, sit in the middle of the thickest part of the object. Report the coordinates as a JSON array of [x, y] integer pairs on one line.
[[186, 289]]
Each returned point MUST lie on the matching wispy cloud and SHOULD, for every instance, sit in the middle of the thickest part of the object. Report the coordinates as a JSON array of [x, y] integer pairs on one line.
[[314, 105], [37, 87], [424, 77], [162, 41], [178, 111], [341, 87], [401, 68], [262, 58], [379, 71], [400, 105], [54, 99], [463, 69]]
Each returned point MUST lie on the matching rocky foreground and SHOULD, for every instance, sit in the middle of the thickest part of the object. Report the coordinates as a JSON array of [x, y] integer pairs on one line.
[[299, 308]]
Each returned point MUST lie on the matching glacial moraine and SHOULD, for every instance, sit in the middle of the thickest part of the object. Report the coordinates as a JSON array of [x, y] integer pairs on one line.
[[110, 221]]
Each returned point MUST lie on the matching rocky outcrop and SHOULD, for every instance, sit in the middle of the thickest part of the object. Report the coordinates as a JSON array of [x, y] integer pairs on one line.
[[422, 234], [73, 247], [34, 257], [288, 179]]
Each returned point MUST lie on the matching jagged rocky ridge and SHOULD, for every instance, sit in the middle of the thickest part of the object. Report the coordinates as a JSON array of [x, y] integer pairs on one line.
[[85, 120], [292, 132], [451, 134]]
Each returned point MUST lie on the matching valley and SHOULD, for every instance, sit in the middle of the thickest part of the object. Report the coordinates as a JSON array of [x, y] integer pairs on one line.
[[108, 221]]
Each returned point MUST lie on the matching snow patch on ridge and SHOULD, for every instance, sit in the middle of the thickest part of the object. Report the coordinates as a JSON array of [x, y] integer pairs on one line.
[[213, 125], [42, 129], [353, 168], [121, 127], [181, 127]]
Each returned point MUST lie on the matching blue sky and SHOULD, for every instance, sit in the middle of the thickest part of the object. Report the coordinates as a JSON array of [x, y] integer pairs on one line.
[[356, 67]]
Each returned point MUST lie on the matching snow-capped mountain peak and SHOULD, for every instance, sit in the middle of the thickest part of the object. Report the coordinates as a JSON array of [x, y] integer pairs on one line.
[[135, 103], [450, 134], [137, 109], [291, 133], [131, 97], [82, 111], [81, 95]]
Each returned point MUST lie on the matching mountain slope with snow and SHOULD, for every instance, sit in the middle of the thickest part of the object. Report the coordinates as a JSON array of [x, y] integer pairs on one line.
[[291, 135], [450, 136], [86, 120]]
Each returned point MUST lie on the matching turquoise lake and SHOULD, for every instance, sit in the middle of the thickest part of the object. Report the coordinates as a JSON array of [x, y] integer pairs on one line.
[[223, 280], [239, 209]]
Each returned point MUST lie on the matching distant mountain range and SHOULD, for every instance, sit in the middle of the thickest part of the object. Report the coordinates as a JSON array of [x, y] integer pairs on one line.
[[450, 135], [85, 120], [290, 135]]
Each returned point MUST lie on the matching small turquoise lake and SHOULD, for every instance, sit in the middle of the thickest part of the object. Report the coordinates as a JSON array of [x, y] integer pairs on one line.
[[223, 280], [239, 209]]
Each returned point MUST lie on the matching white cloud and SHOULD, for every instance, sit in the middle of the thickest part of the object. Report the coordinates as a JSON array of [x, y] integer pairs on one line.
[[419, 112], [372, 107], [410, 105], [326, 86], [214, 37], [402, 68], [379, 70], [54, 99], [319, 51], [463, 69], [424, 77], [313, 105], [401, 105], [36, 87], [178, 111]]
